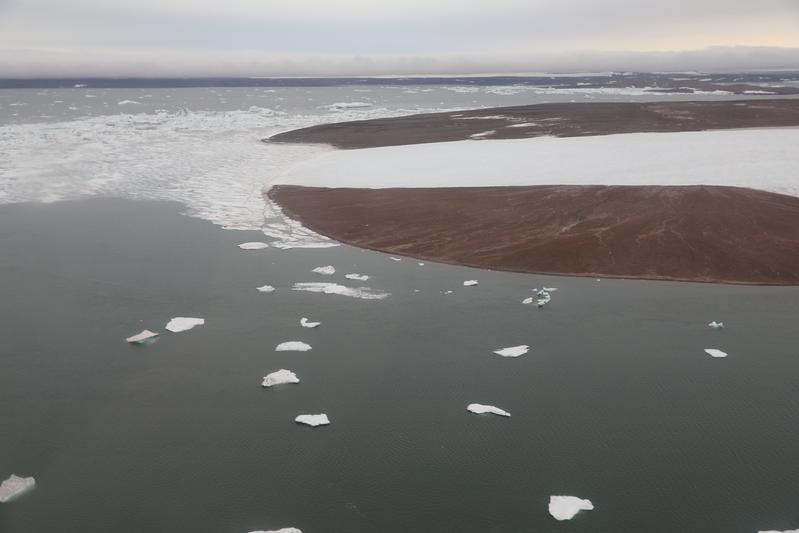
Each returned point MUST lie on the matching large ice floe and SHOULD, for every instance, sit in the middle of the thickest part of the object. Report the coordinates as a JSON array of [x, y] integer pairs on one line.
[[364, 293], [715, 352], [480, 409], [183, 323], [304, 322], [325, 270], [292, 346], [313, 420], [513, 351], [280, 377], [145, 337], [566, 507], [15, 486]]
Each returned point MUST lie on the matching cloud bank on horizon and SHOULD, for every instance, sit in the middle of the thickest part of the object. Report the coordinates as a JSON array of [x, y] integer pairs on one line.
[[391, 37]]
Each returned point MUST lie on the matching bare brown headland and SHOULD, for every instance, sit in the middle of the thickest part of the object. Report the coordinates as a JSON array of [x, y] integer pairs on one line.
[[687, 233], [561, 120]]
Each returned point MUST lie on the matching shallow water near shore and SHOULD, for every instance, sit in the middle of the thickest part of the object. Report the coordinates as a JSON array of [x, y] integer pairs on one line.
[[616, 400]]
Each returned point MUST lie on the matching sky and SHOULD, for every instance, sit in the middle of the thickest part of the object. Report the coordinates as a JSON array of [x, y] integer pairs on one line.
[[392, 37]]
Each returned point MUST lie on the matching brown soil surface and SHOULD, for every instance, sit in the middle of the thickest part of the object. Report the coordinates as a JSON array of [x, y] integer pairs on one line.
[[562, 120], [696, 233]]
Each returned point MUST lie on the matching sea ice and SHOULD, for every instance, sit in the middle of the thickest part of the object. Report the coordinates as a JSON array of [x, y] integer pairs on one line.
[[716, 325], [565, 507], [482, 134], [470, 282], [395, 258], [421, 264], [182, 323], [15, 486], [714, 352], [513, 351], [527, 301], [549, 289], [358, 277], [253, 245], [144, 337], [313, 420], [481, 409], [282, 530], [304, 322], [785, 531], [346, 105], [363, 293], [325, 270], [292, 346], [280, 377], [265, 288], [128, 102]]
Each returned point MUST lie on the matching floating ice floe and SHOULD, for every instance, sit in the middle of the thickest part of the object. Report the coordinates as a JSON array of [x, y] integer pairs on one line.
[[313, 420], [358, 277], [480, 409], [549, 289], [128, 102], [183, 323], [543, 298], [513, 351], [265, 288], [364, 293], [714, 352], [283, 530], [784, 531], [395, 258], [325, 270], [420, 264], [145, 337], [565, 507], [292, 346], [280, 377], [15, 486], [253, 245], [304, 322], [527, 301], [716, 325], [469, 282], [346, 105], [448, 292], [482, 134]]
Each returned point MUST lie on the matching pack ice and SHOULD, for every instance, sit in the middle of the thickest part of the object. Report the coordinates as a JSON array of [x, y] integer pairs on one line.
[[565, 507], [15, 486], [280, 377], [292, 346], [513, 351], [182, 323], [480, 409], [313, 420]]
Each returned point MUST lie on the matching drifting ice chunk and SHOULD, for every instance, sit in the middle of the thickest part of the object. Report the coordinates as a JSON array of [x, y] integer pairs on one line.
[[313, 420], [421, 264], [470, 283], [283, 530], [265, 288], [15, 486], [358, 277], [716, 325], [543, 298], [182, 323], [395, 259], [713, 352], [253, 245], [128, 102], [513, 351], [549, 289], [774, 530], [304, 322], [279, 378], [565, 507], [292, 346], [325, 270], [145, 337], [481, 409], [364, 293], [527, 301]]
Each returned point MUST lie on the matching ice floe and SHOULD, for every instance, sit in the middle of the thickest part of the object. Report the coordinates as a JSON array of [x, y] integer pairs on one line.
[[363, 293], [128, 102], [482, 134], [542, 298], [470, 282], [480, 409], [716, 325], [145, 337], [527, 301], [15, 486], [313, 420], [358, 277], [715, 352], [304, 322], [395, 258], [265, 288], [346, 105], [282, 530], [325, 270], [280, 377], [420, 264], [783, 531], [183, 323], [565, 507], [253, 245], [292, 346], [513, 351]]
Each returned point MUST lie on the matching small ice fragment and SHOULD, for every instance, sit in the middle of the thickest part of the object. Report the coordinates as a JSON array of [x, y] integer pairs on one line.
[[543, 298], [128, 102], [470, 282], [358, 277], [549, 289], [313, 420], [513, 351], [447, 292], [304, 322], [15, 486], [565, 507], [182, 323], [145, 337], [253, 245], [280, 377], [325, 270], [395, 259], [481, 409], [421, 264], [714, 352], [283, 530], [265, 288], [364, 293], [785, 531], [292, 346], [527, 301], [716, 325]]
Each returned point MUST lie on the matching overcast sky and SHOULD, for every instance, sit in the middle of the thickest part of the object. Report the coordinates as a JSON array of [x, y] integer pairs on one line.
[[384, 37]]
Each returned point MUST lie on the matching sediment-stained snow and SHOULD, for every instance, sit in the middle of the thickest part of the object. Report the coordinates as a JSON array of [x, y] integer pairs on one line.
[[280, 377], [764, 159], [480, 409], [15, 486], [325, 270], [513, 351], [470, 283], [715, 352], [304, 322], [292, 346], [313, 420], [364, 293], [566, 507], [183, 323], [144, 337], [253, 245]]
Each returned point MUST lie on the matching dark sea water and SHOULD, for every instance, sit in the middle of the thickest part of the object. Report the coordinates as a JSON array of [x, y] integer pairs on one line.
[[615, 402]]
